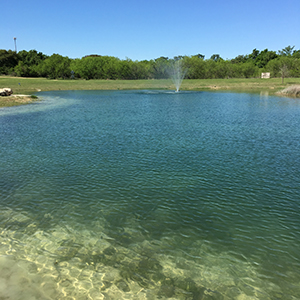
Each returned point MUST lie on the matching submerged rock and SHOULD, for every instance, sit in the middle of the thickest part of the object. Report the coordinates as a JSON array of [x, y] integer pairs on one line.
[[167, 288], [122, 285], [109, 251], [186, 284], [167, 291], [206, 294]]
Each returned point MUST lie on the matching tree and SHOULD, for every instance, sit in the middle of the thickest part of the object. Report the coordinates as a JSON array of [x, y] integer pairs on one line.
[[296, 54], [28, 60], [277, 69], [55, 66], [215, 57], [195, 67], [179, 57], [264, 57], [239, 59], [31, 57], [199, 56], [22, 70], [249, 69], [85, 67], [254, 54], [145, 69], [284, 71], [287, 51], [161, 67], [8, 60], [107, 67]]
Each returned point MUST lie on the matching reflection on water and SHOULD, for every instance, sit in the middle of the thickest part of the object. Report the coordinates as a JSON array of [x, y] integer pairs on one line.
[[150, 195]]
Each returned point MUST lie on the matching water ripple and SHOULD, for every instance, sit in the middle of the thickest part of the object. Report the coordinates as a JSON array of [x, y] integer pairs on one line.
[[140, 193]]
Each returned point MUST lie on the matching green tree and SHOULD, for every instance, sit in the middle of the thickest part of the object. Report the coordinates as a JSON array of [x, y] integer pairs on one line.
[[248, 70], [161, 67], [84, 68], [127, 69], [199, 56], [8, 60], [210, 69], [31, 57], [253, 55], [195, 68], [55, 66], [287, 51], [23, 70], [145, 69], [264, 57], [284, 71], [239, 59], [221, 69], [216, 57], [110, 67], [276, 66], [296, 54], [28, 60]]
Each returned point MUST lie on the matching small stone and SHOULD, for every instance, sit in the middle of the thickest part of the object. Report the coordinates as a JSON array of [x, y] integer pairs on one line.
[[122, 285]]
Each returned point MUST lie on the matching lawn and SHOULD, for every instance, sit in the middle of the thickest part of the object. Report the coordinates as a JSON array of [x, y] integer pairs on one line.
[[31, 86]]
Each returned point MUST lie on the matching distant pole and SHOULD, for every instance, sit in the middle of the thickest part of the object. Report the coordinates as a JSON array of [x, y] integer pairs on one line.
[[15, 39]]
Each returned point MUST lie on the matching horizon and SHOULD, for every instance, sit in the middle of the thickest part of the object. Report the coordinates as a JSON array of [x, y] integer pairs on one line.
[[205, 58]]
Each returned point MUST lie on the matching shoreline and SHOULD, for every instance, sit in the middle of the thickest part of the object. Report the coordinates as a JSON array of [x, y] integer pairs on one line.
[[15, 100], [25, 87]]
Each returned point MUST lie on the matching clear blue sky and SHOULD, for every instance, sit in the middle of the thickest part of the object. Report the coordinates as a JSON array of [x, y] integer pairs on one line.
[[148, 29]]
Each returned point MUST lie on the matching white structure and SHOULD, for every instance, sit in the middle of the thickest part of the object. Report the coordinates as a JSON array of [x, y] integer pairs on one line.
[[266, 75]]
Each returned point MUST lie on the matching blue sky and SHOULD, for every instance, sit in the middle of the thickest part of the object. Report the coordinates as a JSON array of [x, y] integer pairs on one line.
[[147, 29]]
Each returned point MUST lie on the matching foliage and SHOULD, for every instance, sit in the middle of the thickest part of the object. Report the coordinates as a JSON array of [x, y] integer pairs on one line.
[[195, 67], [36, 64], [296, 54], [264, 57], [216, 57], [55, 66], [239, 59], [284, 71], [31, 57], [287, 51], [8, 60], [28, 60], [161, 67], [292, 64]]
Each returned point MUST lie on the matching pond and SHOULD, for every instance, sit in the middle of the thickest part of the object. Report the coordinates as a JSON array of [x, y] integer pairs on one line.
[[150, 195]]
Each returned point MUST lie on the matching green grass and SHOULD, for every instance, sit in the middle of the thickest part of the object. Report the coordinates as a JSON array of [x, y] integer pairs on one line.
[[34, 85], [17, 100]]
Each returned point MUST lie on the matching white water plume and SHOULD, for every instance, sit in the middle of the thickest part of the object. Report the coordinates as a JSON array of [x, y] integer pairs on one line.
[[177, 72]]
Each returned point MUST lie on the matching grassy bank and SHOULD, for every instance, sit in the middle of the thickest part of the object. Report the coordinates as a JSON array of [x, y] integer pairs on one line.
[[291, 91], [34, 85], [15, 100]]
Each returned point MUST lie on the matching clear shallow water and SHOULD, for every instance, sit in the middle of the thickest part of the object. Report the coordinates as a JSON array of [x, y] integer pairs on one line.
[[150, 195]]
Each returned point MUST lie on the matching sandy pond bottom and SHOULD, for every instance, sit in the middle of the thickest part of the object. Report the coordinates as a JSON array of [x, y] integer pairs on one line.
[[72, 263]]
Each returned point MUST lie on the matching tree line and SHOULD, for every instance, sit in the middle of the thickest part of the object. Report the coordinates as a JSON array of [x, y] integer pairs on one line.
[[285, 62]]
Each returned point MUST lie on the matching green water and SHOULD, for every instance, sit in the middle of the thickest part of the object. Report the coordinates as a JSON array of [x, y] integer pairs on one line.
[[150, 195]]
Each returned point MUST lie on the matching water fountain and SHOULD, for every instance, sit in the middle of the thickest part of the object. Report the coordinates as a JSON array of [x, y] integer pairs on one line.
[[177, 72]]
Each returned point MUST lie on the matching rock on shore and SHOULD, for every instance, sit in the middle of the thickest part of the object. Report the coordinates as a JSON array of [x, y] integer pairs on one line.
[[6, 92], [293, 90]]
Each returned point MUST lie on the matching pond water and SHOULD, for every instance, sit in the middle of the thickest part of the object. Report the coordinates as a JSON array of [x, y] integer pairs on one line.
[[150, 195]]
